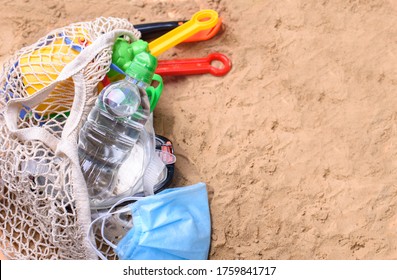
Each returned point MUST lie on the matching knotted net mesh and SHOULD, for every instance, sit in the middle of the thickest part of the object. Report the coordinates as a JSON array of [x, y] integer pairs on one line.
[[44, 206]]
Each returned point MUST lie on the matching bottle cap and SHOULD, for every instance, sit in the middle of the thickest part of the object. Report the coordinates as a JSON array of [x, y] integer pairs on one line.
[[143, 65]]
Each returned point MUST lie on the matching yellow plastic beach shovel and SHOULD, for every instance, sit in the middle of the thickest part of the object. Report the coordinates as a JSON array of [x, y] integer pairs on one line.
[[201, 20]]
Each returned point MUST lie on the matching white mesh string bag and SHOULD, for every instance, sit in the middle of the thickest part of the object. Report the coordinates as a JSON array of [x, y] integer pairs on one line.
[[46, 92]]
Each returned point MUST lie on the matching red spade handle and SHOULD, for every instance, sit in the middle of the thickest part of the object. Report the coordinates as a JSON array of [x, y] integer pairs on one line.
[[194, 66]]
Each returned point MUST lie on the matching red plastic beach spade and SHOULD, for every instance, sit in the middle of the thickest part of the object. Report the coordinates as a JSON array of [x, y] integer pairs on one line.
[[192, 66]]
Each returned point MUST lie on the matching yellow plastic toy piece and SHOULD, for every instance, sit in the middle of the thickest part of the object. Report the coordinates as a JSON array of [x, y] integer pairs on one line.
[[201, 20], [42, 66]]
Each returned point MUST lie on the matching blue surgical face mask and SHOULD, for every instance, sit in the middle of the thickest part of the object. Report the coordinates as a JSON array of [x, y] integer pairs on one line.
[[171, 225]]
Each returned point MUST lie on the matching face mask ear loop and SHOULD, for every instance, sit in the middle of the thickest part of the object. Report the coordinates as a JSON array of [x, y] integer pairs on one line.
[[90, 240], [109, 213], [103, 217]]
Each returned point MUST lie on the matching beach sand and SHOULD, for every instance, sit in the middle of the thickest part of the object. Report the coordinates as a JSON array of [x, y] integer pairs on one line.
[[297, 144]]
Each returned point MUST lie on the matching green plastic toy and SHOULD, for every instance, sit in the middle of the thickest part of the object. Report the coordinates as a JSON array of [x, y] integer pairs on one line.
[[154, 93], [125, 53]]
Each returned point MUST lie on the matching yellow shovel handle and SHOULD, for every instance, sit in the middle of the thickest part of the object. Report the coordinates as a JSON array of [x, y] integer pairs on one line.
[[201, 20]]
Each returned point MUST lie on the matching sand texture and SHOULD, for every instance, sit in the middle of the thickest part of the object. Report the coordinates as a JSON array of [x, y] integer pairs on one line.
[[297, 143]]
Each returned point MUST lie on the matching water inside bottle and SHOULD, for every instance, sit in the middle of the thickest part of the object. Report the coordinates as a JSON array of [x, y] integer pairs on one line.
[[111, 131]]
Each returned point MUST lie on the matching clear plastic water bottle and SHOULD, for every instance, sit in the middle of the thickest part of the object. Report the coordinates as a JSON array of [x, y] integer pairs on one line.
[[114, 126]]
